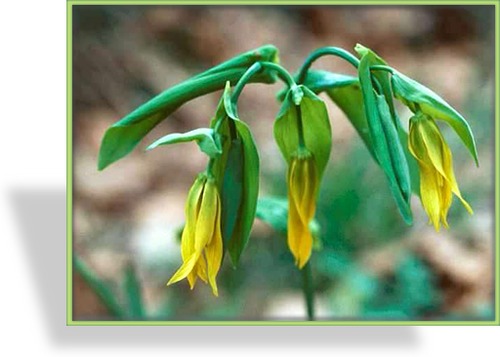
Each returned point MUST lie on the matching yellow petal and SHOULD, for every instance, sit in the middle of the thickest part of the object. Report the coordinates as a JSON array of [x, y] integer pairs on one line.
[[206, 219], [186, 268], [446, 198], [434, 157], [302, 188], [435, 146], [298, 236], [429, 194], [192, 207], [416, 144], [201, 268], [309, 187], [213, 252], [448, 166], [192, 277]]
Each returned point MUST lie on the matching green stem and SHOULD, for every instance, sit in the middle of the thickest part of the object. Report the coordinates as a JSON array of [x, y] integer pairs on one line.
[[284, 75], [210, 168], [300, 128], [324, 51], [307, 287], [253, 69], [379, 67]]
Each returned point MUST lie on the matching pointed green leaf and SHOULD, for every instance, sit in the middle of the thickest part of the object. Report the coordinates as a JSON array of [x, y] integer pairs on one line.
[[232, 190], [414, 94], [239, 168], [350, 100], [401, 186], [250, 182], [204, 137], [382, 79], [123, 136], [265, 53], [379, 134], [345, 91], [316, 128], [319, 81]]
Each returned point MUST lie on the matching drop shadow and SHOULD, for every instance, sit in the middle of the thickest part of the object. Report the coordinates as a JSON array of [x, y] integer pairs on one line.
[[41, 215]]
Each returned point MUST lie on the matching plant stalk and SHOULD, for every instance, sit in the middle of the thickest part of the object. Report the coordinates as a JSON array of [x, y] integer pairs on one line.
[[325, 51], [308, 288]]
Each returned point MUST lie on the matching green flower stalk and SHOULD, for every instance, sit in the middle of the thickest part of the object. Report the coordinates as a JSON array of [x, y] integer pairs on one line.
[[303, 184], [201, 243], [437, 179]]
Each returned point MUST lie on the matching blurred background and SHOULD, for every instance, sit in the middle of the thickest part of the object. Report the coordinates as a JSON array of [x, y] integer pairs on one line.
[[126, 219]]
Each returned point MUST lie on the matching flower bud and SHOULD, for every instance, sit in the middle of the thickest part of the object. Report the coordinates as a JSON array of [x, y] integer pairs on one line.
[[437, 180], [201, 243], [303, 183]]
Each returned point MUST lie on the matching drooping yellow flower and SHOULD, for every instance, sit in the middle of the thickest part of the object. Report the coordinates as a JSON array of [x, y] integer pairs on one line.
[[302, 191], [437, 179], [201, 244]]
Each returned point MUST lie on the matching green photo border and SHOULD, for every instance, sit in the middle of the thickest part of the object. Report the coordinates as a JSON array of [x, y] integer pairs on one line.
[[69, 170]]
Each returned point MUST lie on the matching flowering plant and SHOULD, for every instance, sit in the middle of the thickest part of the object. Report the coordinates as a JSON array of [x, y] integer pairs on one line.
[[223, 201]]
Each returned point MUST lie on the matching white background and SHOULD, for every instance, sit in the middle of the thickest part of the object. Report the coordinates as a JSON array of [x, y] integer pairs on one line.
[[32, 254]]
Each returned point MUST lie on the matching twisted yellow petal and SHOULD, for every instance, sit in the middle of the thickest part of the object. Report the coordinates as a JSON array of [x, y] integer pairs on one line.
[[302, 191], [201, 244], [192, 210], [213, 252], [437, 179]]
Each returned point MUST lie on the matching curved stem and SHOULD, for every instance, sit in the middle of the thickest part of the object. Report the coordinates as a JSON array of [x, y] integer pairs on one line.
[[324, 51], [252, 70], [284, 75], [307, 287], [379, 67]]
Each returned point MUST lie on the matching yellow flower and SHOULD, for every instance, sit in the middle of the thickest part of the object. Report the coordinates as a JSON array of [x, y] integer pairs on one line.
[[201, 243], [302, 191], [437, 180]]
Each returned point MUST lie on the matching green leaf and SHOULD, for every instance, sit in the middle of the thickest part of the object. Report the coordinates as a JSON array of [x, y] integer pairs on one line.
[[415, 96], [102, 290], [133, 293], [381, 136], [345, 92], [232, 190], [238, 170], [412, 163], [250, 182], [204, 137], [265, 53], [401, 186], [315, 123], [381, 79], [319, 81], [350, 100], [123, 136]]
